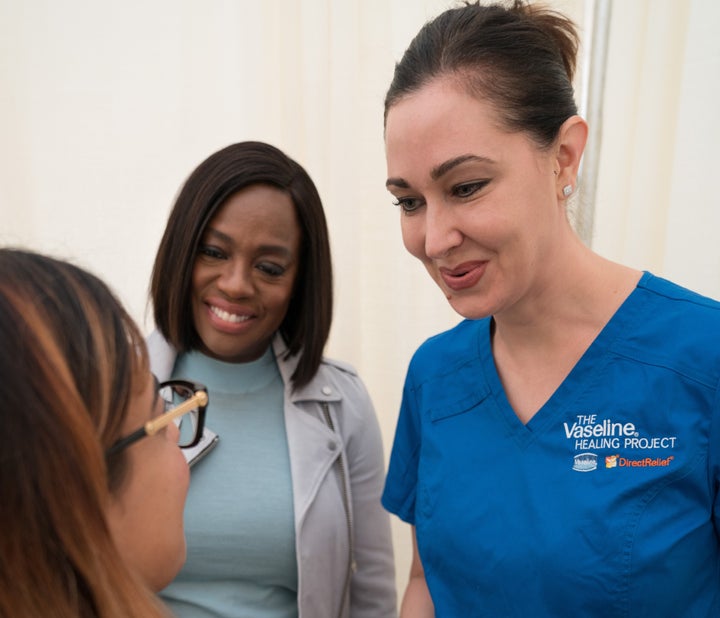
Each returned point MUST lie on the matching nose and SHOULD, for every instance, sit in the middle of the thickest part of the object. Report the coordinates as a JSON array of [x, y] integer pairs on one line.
[[235, 279], [441, 232]]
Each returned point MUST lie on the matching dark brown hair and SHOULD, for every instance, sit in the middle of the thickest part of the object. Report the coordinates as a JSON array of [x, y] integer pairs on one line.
[[70, 357], [307, 323], [520, 58]]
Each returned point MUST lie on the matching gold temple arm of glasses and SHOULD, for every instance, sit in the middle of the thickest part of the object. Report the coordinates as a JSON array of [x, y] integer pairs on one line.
[[199, 399]]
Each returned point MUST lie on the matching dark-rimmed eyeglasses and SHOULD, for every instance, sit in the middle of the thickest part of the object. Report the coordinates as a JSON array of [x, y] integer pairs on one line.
[[185, 404]]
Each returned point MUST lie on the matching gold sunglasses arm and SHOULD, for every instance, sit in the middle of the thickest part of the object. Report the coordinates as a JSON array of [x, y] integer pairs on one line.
[[198, 400]]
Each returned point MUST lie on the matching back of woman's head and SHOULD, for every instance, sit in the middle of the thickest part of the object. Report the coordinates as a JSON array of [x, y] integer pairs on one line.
[[308, 319], [69, 357], [520, 58]]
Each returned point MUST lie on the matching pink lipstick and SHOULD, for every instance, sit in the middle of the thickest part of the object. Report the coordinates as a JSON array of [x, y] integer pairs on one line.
[[463, 276]]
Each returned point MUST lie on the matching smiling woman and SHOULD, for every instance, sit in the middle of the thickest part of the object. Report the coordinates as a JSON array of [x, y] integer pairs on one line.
[[93, 144], [284, 517], [252, 243], [473, 181], [483, 145]]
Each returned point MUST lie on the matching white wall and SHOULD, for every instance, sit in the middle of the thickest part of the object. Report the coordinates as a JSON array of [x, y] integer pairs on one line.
[[105, 107], [657, 205]]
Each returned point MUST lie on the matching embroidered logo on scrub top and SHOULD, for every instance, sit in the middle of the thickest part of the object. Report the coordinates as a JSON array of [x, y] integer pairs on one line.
[[585, 462], [587, 433], [615, 461]]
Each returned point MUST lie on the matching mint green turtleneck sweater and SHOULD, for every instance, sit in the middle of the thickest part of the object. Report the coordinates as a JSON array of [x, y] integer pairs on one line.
[[239, 515]]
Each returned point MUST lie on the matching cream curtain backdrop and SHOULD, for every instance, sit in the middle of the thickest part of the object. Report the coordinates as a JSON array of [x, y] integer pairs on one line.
[[105, 108]]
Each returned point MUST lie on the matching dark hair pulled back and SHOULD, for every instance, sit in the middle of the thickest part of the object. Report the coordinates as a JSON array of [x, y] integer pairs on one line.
[[520, 58]]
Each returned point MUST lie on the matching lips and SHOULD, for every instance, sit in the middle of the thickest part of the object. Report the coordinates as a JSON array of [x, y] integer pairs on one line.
[[228, 319], [226, 316], [464, 275]]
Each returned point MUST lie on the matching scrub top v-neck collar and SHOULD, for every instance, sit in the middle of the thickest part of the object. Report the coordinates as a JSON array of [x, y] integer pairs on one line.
[[592, 360]]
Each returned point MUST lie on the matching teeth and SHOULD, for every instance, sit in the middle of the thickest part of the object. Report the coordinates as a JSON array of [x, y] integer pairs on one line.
[[229, 317]]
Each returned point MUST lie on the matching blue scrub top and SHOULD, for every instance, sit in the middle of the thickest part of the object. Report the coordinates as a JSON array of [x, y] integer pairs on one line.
[[604, 504]]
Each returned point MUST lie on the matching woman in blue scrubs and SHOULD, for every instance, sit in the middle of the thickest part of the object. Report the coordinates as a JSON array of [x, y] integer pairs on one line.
[[558, 452]]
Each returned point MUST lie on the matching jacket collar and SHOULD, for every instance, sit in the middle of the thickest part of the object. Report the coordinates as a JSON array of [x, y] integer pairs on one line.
[[320, 388]]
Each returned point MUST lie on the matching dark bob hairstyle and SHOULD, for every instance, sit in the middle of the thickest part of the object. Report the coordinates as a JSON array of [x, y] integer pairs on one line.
[[306, 326]]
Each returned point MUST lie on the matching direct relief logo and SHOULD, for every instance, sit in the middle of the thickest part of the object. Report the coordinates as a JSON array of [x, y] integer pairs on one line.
[[615, 461]]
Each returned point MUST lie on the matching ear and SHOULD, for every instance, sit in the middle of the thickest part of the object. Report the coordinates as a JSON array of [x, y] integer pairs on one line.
[[569, 148]]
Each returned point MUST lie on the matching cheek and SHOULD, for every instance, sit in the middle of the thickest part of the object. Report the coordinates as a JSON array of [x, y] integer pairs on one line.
[[174, 460], [172, 483], [278, 309], [196, 305], [183, 479], [280, 296]]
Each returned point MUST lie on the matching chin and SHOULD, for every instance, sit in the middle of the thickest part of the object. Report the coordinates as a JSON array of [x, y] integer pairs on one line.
[[469, 309], [163, 575], [159, 581]]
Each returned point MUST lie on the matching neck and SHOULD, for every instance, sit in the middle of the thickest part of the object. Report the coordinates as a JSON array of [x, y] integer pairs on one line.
[[536, 345], [579, 297]]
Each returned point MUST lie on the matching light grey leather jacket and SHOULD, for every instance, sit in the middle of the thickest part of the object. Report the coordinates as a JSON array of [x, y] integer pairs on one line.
[[343, 543]]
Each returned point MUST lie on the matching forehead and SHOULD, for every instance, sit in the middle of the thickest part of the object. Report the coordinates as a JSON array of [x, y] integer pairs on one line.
[[258, 210], [441, 109], [441, 122]]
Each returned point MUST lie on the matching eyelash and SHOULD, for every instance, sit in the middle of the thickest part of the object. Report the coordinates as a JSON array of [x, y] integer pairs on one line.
[[404, 204], [410, 204], [269, 269], [272, 270], [474, 186], [211, 252]]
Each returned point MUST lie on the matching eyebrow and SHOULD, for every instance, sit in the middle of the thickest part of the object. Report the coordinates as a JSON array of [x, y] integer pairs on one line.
[[213, 232], [440, 170]]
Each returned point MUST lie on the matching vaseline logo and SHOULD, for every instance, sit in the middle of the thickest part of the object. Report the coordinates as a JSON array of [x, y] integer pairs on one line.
[[585, 462], [589, 433], [586, 427]]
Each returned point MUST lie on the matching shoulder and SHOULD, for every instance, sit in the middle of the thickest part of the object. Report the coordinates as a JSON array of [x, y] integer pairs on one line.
[[675, 328], [446, 373], [342, 378], [676, 296], [667, 305], [339, 382], [334, 366], [162, 355], [446, 352]]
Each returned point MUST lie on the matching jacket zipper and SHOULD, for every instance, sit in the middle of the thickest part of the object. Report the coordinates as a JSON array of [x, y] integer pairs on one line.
[[348, 517]]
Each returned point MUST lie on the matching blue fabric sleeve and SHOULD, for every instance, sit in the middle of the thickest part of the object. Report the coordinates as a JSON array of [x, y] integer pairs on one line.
[[714, 458], [401, 483]]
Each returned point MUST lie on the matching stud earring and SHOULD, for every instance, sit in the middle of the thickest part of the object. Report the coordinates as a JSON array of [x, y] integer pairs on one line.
[[567, 190]]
